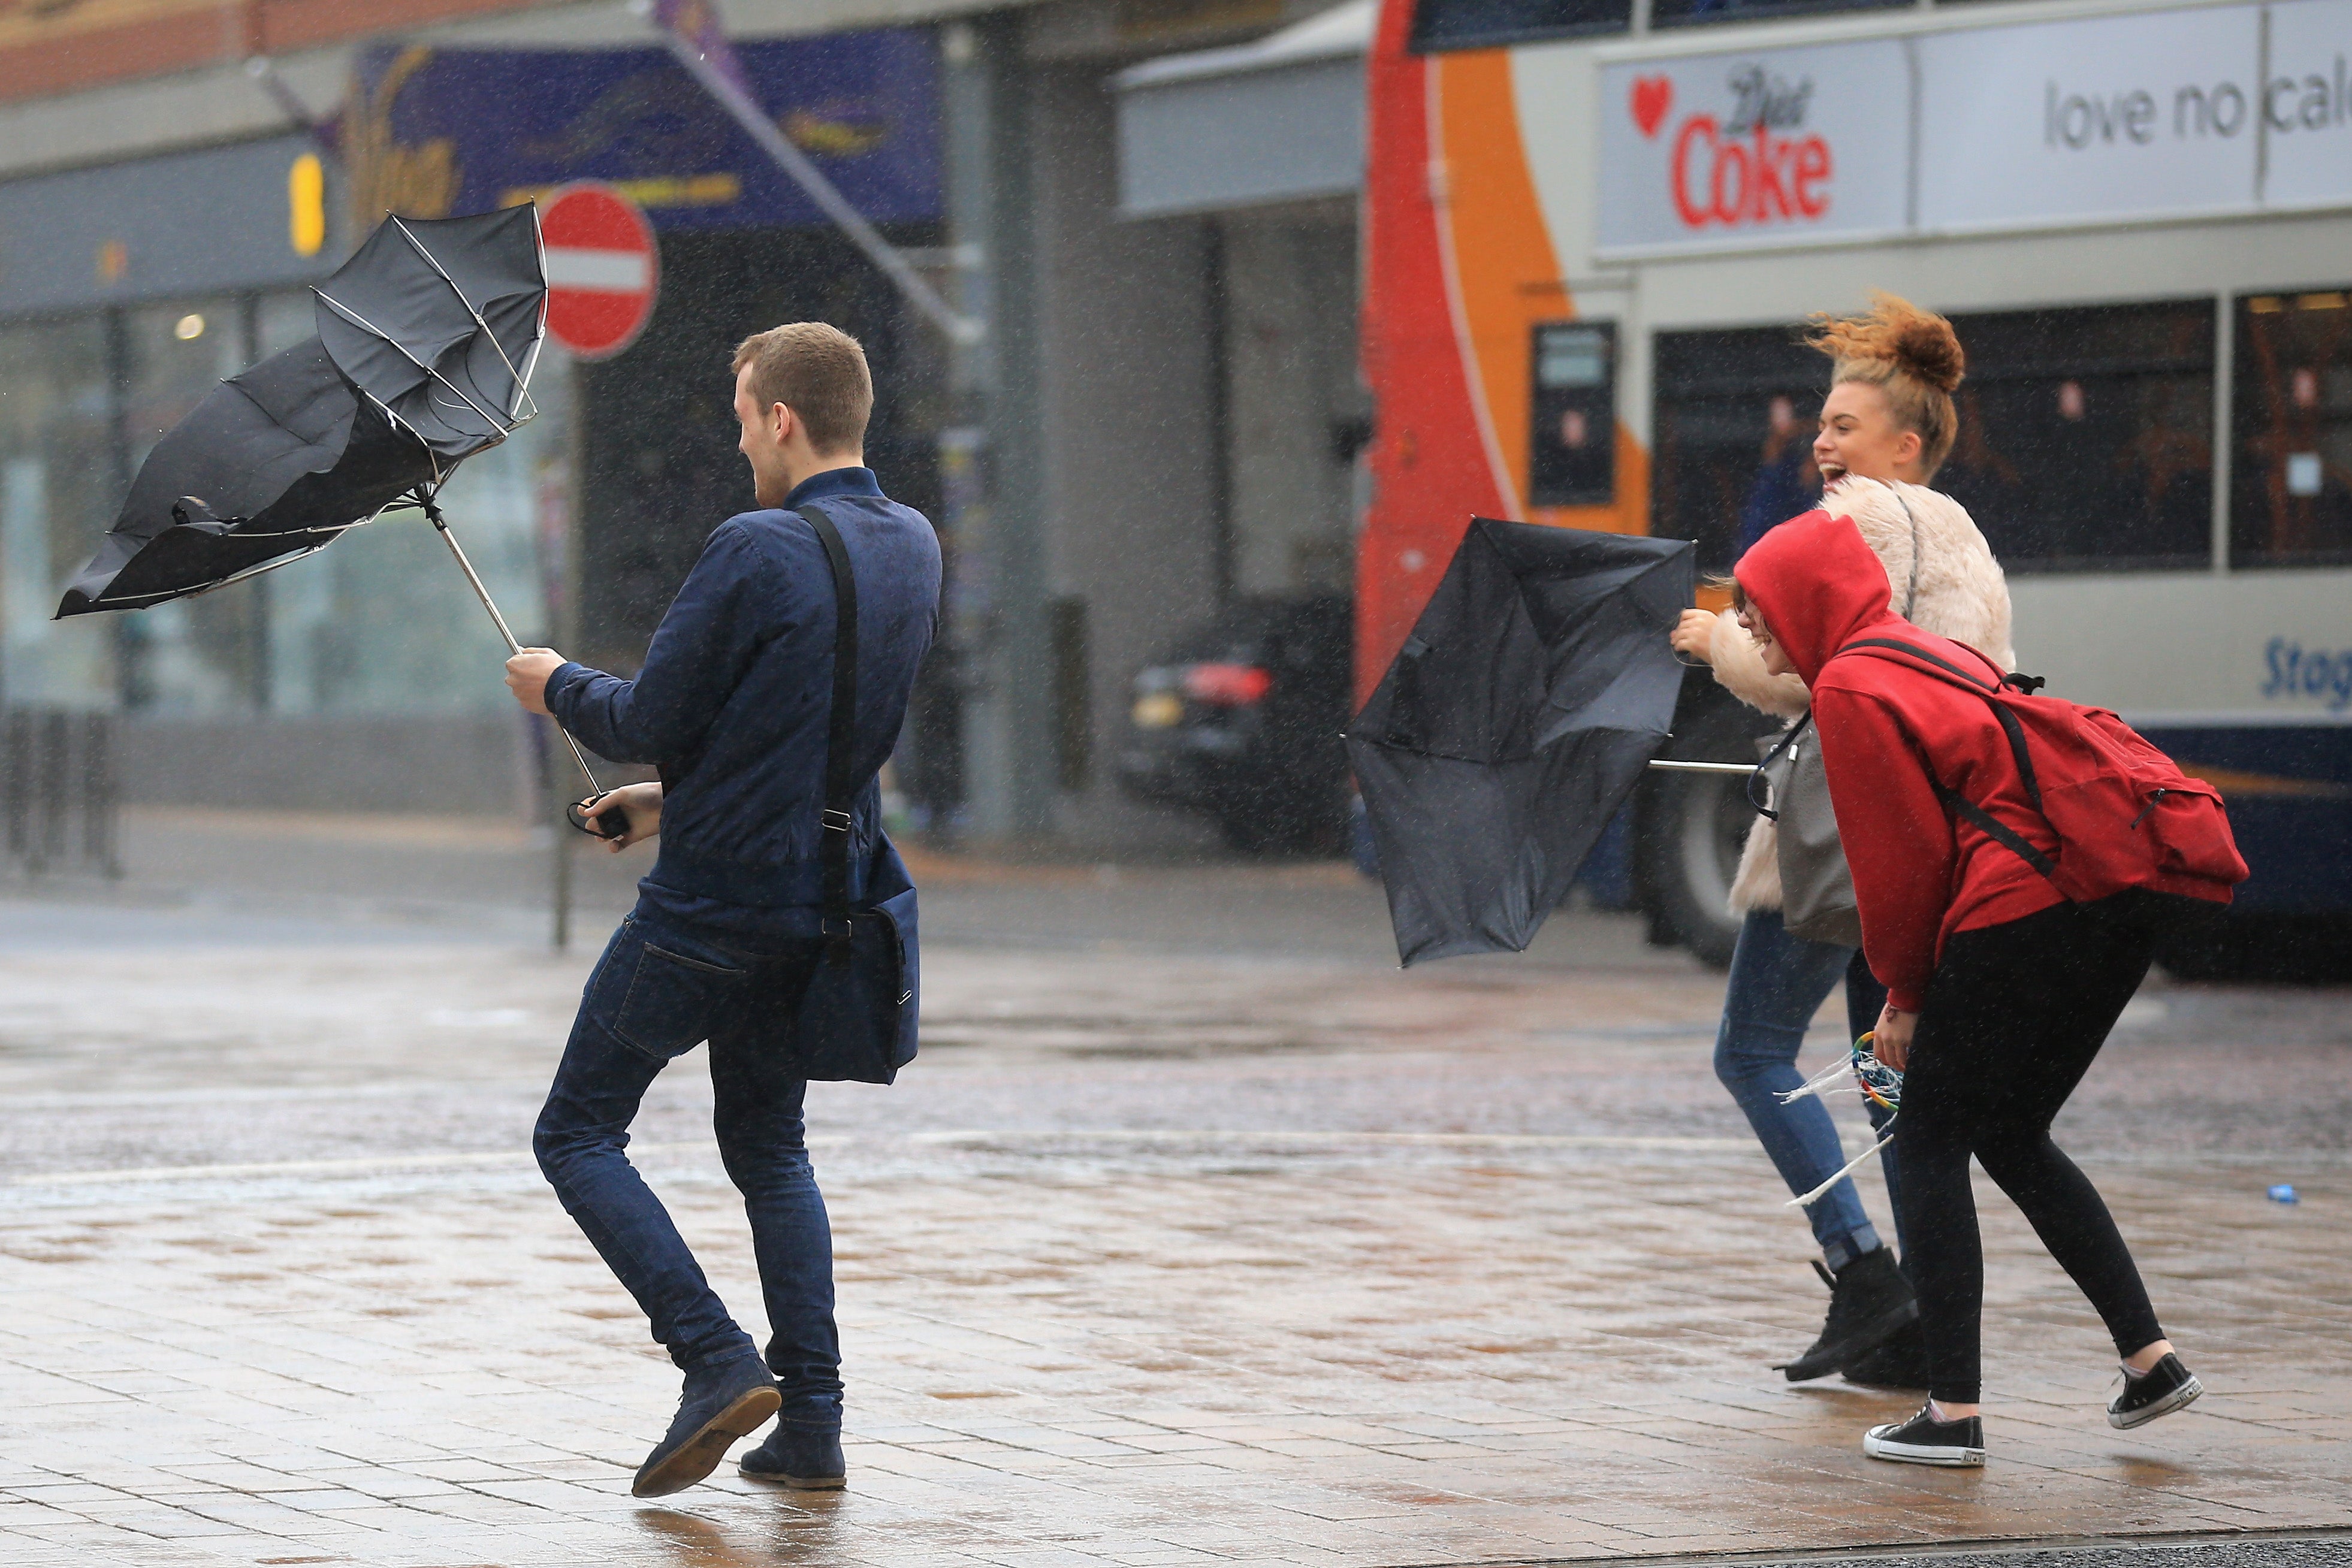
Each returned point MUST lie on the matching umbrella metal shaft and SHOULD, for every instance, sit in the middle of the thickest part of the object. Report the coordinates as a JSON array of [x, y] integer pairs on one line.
[[1703, 767], [442, 526]]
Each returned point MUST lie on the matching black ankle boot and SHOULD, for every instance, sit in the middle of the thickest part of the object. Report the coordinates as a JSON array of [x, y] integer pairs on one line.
[[1900, 1362], [1870, 1302], [805, 1458]]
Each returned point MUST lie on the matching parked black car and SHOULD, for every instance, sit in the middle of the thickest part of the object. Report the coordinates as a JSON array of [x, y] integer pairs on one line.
[[1241, 719]]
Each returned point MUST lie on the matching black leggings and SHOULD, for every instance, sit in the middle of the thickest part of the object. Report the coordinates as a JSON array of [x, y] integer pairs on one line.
[[2012, 1020]]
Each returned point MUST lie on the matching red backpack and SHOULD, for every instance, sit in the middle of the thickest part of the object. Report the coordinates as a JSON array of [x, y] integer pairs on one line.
[[2126, 816]]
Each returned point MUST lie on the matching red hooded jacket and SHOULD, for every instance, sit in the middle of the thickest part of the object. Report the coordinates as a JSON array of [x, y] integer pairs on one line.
[[1889, 733]]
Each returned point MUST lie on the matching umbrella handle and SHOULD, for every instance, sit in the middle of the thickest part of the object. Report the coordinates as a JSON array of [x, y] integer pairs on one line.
[[441, 525], [609, 824]]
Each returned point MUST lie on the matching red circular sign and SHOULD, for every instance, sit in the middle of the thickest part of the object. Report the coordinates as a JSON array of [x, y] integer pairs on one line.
[[604, 269]]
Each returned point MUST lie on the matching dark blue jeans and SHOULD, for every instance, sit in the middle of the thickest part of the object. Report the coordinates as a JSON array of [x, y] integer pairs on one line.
[[660, 990], [1778, 982]]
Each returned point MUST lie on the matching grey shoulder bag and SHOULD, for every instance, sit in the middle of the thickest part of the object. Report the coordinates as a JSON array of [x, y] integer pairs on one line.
[[1817, 902]]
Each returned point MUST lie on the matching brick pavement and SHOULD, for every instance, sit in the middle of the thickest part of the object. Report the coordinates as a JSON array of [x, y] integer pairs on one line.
[[1152, 1261]]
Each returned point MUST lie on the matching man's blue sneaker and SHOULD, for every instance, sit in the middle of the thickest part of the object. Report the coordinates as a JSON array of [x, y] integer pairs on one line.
[[721, 1404], [805, 1459]]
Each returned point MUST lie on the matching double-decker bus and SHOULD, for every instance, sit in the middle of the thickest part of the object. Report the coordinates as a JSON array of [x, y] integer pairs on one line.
[[1593, 230]]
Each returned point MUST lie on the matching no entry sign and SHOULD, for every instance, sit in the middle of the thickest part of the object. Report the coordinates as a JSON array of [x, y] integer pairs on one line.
[[603, 270]]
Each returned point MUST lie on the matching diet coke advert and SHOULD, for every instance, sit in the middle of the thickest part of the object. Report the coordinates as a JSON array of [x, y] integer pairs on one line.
[[1714, 151]]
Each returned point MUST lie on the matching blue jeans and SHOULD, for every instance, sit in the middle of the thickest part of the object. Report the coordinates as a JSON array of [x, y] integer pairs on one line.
[[660, 990], [1778, 982]]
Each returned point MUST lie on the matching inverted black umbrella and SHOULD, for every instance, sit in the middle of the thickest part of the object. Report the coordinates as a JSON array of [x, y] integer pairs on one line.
[[439, 321], [271, 466], [1513, 724], [427, 338]]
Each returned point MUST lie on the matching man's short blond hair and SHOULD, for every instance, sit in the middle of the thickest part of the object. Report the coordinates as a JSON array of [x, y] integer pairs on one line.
[[817, 371]]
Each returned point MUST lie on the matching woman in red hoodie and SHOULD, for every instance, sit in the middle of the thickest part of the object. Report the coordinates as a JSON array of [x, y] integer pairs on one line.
[[2000, 991]]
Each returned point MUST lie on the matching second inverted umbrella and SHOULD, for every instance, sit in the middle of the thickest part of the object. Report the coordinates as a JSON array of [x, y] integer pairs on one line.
[[1513, 724]]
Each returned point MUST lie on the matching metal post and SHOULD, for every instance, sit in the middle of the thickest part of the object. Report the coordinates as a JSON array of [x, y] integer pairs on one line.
[[52, 790], [559, 878], [100, 795], [1009, 714], [559, 582], [17, 780]]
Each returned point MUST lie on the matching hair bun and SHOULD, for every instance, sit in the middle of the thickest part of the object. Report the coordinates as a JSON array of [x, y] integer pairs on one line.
[[1894, 331]]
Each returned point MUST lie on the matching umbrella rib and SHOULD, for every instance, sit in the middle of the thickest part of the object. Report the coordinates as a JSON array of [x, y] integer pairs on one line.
[[368, 326], [434, 262], [142, 600], [389, 413], [539, 338]]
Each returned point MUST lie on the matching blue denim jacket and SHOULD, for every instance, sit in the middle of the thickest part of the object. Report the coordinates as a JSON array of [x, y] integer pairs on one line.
[[732, 701]]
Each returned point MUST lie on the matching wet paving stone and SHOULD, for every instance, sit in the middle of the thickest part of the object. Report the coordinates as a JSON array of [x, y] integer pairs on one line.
[[1152, 1260]]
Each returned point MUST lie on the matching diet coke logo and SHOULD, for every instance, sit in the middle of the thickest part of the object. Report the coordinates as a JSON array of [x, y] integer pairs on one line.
[[1654, 98], [1752, 164]]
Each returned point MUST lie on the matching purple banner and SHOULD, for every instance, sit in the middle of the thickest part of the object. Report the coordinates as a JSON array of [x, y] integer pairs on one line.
[[435, 131]]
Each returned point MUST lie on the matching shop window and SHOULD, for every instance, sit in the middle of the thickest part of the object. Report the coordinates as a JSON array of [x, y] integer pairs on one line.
[[1440, 24], [381, 622], [199, 655], [2291, 477], [1696, 12], [1734, 425], [2086, 435], [1573, 448], [58, 487]]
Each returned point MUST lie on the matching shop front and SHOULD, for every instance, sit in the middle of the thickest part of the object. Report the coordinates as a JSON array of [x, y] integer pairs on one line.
[[127, 291]]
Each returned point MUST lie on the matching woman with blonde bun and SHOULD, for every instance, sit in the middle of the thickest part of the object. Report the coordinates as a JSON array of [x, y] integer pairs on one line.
[[1886, 425]]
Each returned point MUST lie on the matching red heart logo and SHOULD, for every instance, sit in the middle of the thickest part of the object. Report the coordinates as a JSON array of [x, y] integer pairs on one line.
[[1652, 96]]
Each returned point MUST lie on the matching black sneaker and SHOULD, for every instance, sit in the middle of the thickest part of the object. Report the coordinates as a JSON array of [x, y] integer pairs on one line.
[[1870, 1302], [721, 1404], [2159, 1391], [800, 1457], [1900, 1362], [1924, 1440]]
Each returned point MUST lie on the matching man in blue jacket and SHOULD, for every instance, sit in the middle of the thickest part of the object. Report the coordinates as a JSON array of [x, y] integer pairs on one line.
[[732, 706]]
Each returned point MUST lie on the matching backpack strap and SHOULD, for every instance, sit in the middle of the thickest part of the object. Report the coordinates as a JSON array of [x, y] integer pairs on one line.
[[1952, 674], [1985, 821], [841, 737], [1996, 829]]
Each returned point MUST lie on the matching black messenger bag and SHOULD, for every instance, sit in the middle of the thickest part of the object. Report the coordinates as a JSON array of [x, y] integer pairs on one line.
[[857, 1022]]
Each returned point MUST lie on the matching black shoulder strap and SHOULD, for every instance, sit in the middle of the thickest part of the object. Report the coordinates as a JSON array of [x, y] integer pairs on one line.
[[1989, 825], [1996, 829], [841, 731], [1990, 691], [1921, 655]]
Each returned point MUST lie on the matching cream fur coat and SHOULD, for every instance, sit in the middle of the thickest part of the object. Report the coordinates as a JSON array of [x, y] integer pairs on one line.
[[1962, 594]]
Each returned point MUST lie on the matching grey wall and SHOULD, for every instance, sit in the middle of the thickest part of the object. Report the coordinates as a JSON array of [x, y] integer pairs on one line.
[[1290, 331], [1130, 466], [1211, 144], [478, 766], [189, 223]]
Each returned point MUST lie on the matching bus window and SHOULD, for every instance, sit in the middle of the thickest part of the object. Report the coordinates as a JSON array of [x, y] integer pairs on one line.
[[1733, 429], [1690, 12], [1572, 455], [2086, 435], [1439, 25], [2292, 477]]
